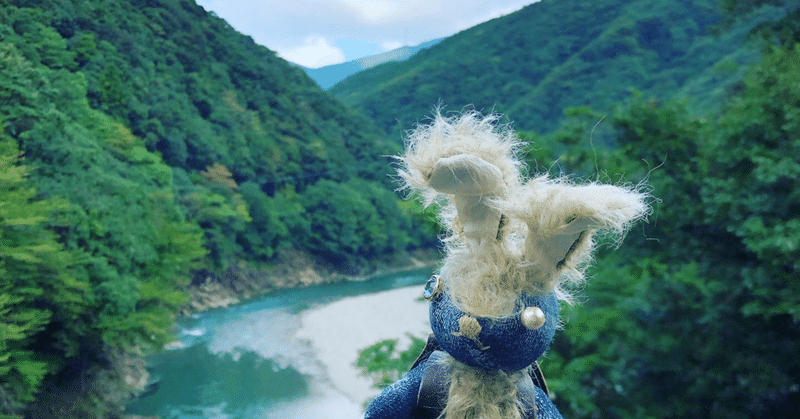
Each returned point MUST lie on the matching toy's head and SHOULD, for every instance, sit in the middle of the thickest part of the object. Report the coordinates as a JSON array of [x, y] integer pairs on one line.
[[509, 343], [511, 244]]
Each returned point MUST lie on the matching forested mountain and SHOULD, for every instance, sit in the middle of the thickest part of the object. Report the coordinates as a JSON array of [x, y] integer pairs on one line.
[[144, 140], [329, 75], [532, 64]]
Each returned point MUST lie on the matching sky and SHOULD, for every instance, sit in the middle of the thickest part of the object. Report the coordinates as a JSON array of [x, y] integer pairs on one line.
[[316, 33]]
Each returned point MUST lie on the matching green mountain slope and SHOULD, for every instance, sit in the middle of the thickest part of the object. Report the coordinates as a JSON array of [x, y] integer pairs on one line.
[[141, 142], [241, 129], [532, 64]]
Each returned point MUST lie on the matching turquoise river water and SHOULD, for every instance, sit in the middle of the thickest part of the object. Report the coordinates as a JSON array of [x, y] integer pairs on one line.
[[244, 362]]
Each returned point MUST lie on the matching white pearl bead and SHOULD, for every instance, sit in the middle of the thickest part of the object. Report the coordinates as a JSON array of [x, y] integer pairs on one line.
[[532, 317]]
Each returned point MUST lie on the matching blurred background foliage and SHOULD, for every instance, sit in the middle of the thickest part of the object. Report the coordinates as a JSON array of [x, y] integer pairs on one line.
[[385, 363]]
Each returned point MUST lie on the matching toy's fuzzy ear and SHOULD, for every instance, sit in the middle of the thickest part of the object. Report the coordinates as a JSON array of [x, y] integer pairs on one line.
[[471, 183], [562, 219], [466, 134], [466, 175]]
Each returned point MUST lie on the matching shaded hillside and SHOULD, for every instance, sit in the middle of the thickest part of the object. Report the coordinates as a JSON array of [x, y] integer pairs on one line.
[[532, 64], [241, 129], [329, 75]]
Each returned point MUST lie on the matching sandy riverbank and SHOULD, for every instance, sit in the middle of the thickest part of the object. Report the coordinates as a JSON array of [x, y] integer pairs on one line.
[[340, 330]]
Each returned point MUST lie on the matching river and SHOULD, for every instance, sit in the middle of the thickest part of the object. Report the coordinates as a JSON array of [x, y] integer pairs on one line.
[[278, 356]]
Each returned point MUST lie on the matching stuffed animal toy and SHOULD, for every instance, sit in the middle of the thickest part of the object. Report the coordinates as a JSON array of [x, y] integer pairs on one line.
[[512, 248]]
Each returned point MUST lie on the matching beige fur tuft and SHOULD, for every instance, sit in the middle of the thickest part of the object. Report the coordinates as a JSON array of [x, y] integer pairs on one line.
[[548, 225], [547, 205], [478, 394], [470, 133]]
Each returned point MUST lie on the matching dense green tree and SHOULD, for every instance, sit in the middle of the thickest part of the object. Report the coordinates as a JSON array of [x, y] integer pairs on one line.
[[752, 187], [354, 219], [267, 232], [129, 246], [696, 315], [202, 96], [38, 292]]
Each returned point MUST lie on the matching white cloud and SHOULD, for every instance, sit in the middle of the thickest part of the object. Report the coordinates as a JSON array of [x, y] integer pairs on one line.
[[374, 11], [390, 45], [297, 27], [315, 52]]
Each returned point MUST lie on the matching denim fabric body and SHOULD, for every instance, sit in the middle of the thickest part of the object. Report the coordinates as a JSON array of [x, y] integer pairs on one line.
[[508, 344], [399, 400], [545, 406]]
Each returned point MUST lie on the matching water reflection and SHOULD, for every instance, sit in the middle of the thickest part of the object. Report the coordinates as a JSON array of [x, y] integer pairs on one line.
[[194, 382]]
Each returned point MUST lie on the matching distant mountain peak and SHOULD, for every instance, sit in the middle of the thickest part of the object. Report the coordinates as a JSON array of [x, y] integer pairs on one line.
[[326, 77]]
